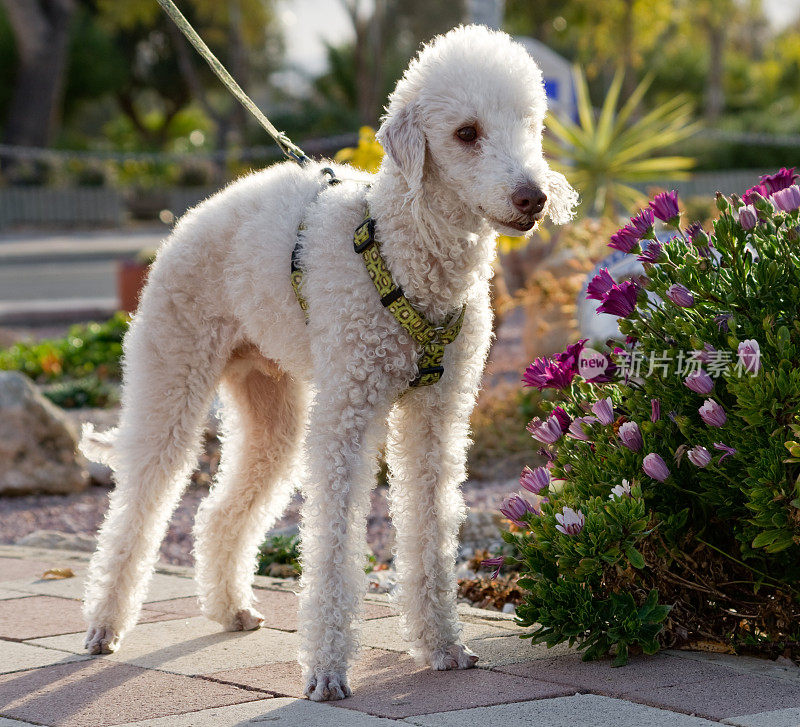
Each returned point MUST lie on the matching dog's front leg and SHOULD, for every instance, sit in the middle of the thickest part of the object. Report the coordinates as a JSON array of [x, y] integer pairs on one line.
[[342, 453], [426, 450]]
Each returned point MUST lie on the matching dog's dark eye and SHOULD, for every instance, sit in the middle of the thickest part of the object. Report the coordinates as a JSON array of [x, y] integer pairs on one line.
[[467, 133]]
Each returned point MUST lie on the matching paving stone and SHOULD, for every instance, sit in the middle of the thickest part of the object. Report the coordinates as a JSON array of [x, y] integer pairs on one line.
[[162, 587], [97, 692], [14, 723], [388, 685], [640, 673], [498, 651], [36, 616], [721, 698], [784, 669], [7, 593], [581, 709], [191, 646], [385, 633], [14, 569], [279, 609], [776, 718], [15, 656], [280, 712]]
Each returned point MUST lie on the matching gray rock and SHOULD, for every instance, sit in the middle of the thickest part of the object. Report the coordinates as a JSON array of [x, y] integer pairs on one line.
[[56, 540], [38, 443], [480, 531]]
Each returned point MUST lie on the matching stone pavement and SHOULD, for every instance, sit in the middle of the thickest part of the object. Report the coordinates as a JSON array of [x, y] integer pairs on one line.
[[176, 669]]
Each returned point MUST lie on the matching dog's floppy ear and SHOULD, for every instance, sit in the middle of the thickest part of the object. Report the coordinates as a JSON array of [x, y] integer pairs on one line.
[[403, 140]]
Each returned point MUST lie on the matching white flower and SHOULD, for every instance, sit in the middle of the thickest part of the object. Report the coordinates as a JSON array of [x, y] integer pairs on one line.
[[620, 491], [570, 522]]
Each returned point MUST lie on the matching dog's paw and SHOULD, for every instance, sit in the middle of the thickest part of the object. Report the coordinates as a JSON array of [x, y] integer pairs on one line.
[[327, 686], [454, 656], [246, 619], [101, 640]]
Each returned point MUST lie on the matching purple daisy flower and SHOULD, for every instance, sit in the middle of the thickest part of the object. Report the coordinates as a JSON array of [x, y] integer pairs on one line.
[[496, 563], [620, 300], [562, 416], [625, 239], [721, 319], [576, 430], [546, 374], [535, 480], [546, 432], [653, 254], [755, 194], [729, 451], [570, 522], [699, 382], [604, 411], [787, 200], [599, 285], [643, 222], [515, 508], [665, 207], [782, 179]]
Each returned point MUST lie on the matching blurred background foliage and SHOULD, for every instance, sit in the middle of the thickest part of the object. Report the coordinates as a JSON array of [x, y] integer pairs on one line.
[[114, 75]]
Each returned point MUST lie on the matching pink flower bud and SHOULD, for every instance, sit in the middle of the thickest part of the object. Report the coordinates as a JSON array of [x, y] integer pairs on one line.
[[748, 217], [631, 436], [655, 467], [712, 413], [699, 456]]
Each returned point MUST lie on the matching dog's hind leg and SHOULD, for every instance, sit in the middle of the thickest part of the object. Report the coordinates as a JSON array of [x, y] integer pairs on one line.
[[264, 418], [173, 360]]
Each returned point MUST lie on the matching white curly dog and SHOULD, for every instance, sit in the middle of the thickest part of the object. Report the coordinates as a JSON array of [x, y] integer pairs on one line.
[[462, 136]]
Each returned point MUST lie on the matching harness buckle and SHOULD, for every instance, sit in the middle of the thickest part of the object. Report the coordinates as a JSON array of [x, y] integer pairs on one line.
[[364, 236]]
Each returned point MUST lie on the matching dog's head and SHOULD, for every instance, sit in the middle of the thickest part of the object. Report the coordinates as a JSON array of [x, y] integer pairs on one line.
[[472, 105]]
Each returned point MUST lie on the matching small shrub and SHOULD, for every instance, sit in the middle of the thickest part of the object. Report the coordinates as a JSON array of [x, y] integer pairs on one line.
[[89, 391], [279, 550], [91, 349], [669, 511]]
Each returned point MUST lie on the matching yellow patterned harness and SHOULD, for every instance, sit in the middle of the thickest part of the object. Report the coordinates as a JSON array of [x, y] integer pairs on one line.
[[432, 339]]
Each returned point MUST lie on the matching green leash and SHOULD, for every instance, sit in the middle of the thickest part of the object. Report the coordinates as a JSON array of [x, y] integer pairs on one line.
[[291, 150]]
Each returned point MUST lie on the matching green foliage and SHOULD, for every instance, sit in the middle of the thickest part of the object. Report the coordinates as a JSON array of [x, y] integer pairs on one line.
[[604, 153], [80, 368], [87, 349], [713, 551], [281, 550], [89, 391]]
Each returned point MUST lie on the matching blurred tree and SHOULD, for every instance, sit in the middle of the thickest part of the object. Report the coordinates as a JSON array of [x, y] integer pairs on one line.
[[162, 62], [387, 33], [41, 34]]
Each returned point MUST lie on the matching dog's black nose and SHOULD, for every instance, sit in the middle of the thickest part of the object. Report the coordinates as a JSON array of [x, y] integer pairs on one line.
[[528, 200]]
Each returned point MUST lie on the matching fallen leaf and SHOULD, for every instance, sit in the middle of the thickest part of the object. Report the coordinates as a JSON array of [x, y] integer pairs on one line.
[[53, 574]]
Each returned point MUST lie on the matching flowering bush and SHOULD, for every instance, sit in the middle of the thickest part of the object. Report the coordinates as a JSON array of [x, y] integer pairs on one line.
[[668, 510]]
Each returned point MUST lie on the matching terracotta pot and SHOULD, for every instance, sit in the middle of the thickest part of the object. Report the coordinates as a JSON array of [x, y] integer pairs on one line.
[[131, 277]]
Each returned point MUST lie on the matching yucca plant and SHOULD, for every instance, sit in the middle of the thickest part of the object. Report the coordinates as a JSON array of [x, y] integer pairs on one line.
[[605, 152]]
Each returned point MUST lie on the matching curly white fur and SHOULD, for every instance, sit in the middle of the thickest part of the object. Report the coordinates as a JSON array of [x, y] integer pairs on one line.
[[219, 310]]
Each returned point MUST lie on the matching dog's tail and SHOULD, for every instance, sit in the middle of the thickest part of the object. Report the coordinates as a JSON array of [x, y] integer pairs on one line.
[[98, 446]]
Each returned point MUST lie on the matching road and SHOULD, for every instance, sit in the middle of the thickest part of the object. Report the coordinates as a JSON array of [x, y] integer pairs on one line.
[[62, 274]]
